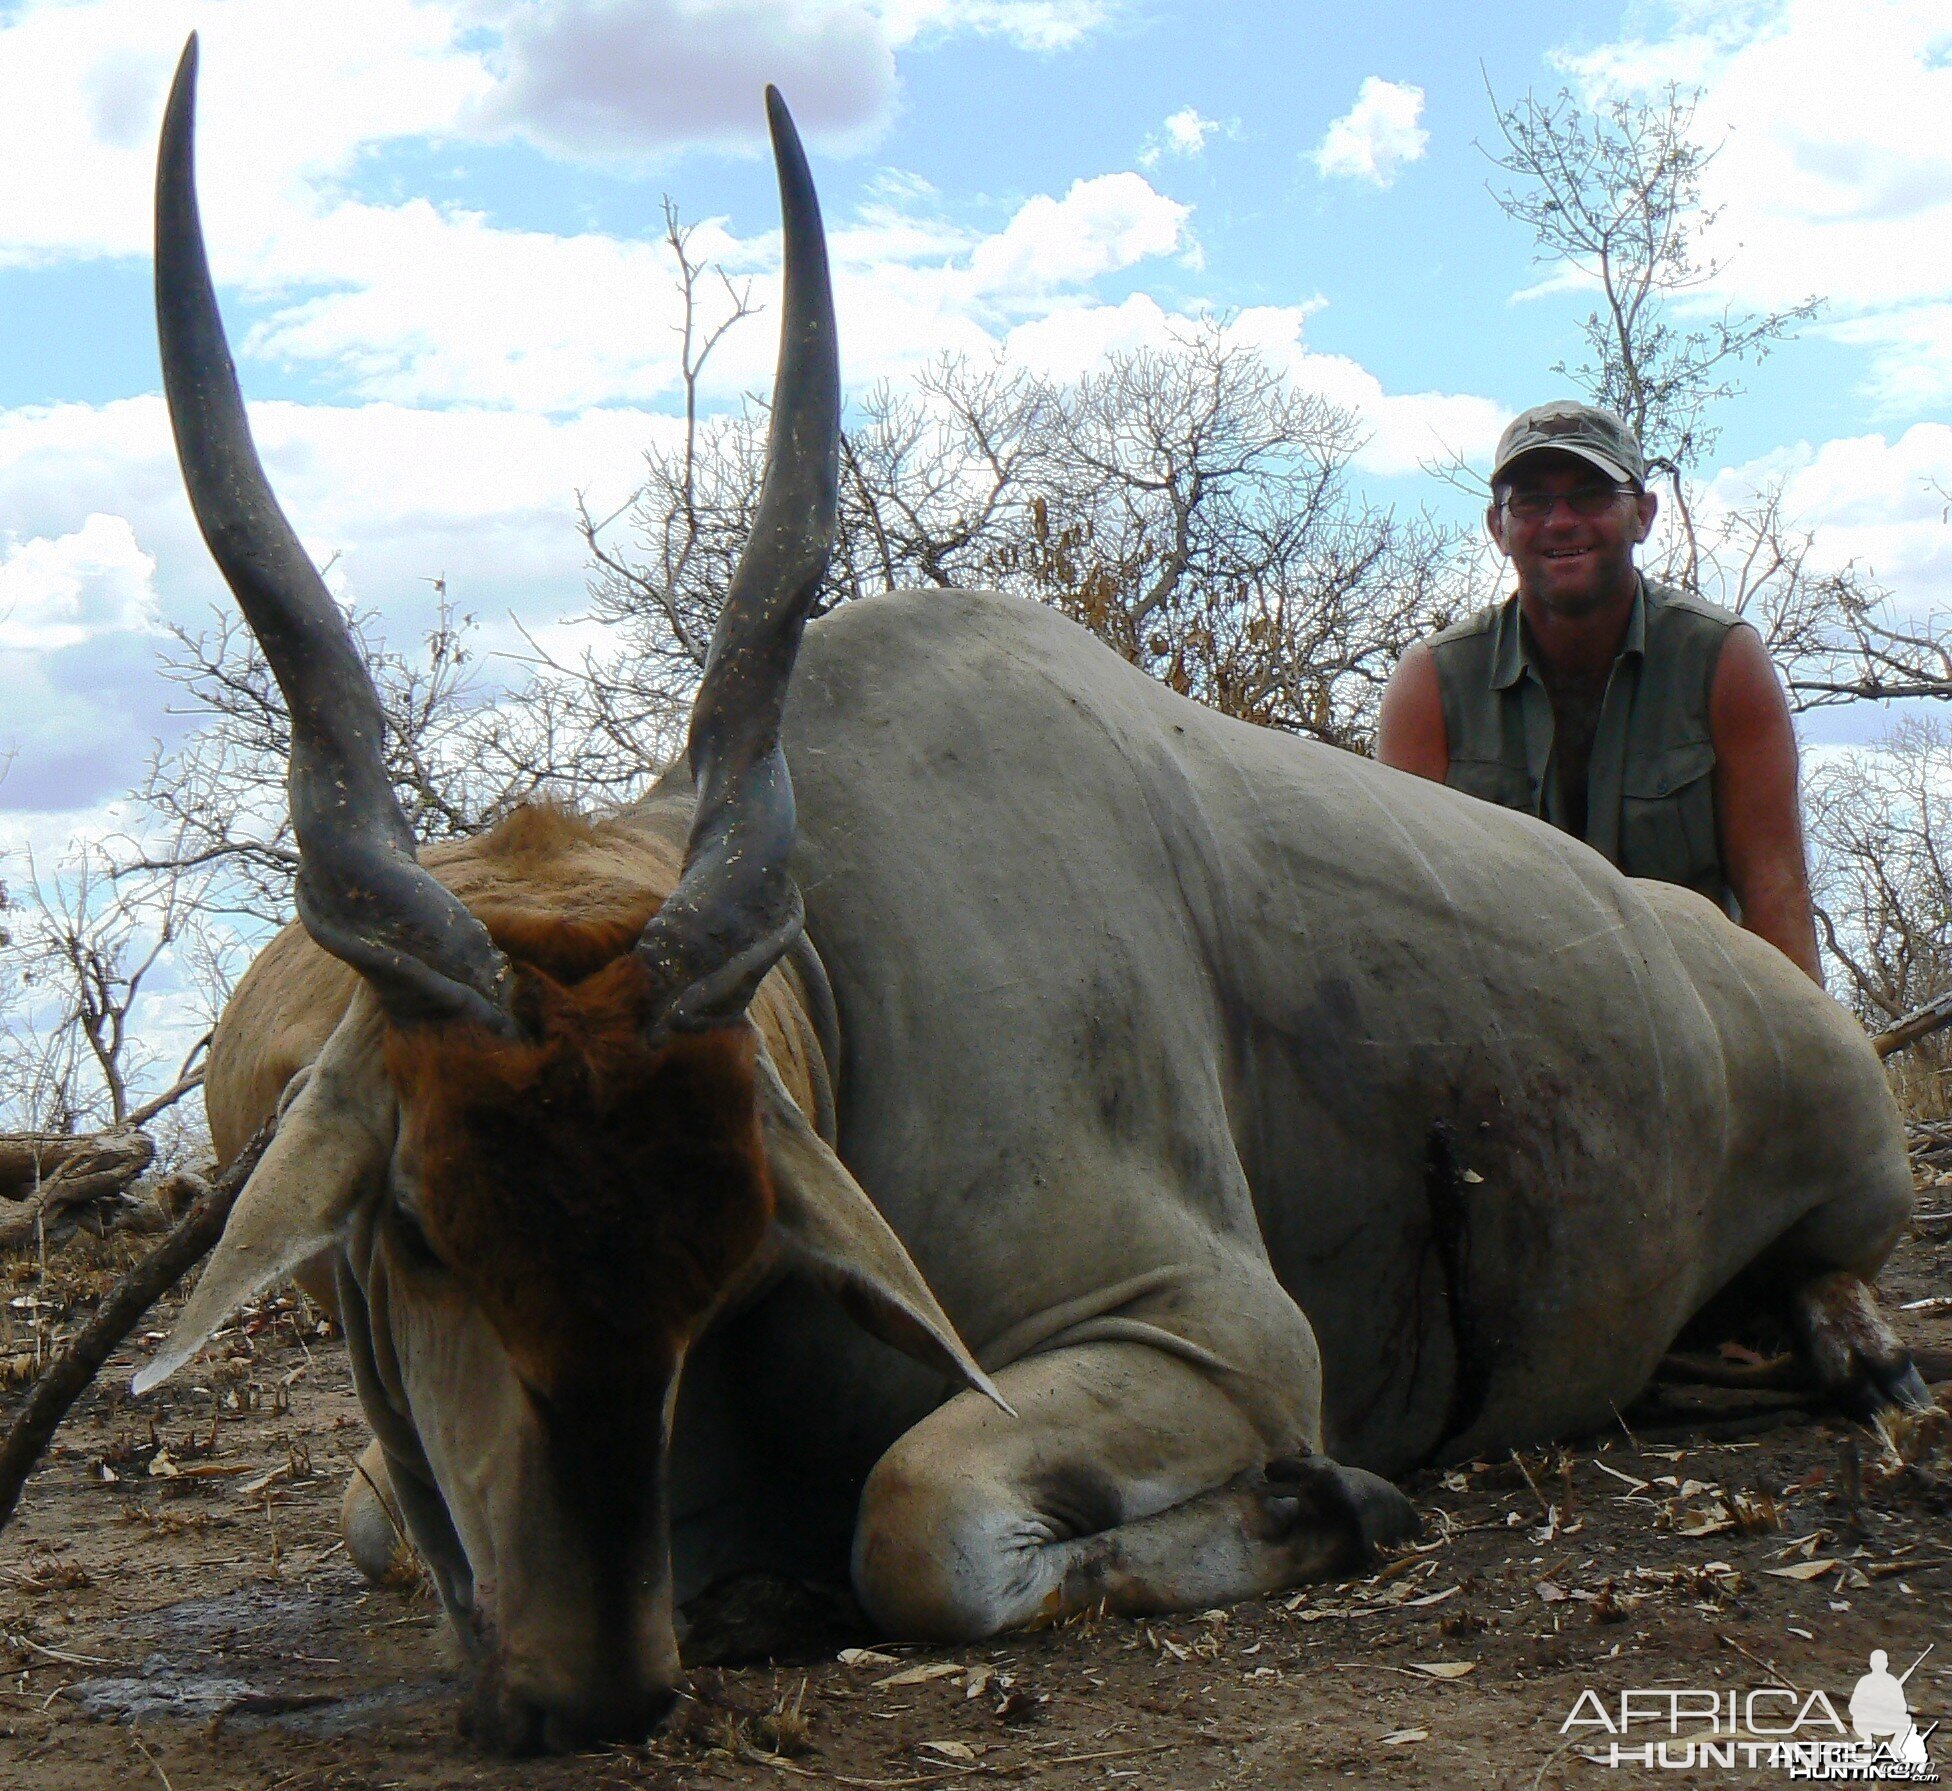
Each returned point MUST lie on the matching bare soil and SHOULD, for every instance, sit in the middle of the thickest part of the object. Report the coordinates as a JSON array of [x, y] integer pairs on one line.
[[176, 1611]]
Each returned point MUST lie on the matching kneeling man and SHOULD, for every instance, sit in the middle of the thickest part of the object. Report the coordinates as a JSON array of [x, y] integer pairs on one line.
[[1639, 718]]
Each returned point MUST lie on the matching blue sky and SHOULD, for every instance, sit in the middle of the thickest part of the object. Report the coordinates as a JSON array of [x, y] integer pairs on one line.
[[434, 226]]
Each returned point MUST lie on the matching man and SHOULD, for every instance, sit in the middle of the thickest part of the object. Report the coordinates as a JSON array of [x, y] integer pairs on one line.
[[1638, 718]]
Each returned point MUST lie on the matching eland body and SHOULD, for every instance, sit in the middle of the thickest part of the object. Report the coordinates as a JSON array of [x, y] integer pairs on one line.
[[1151, 1108]]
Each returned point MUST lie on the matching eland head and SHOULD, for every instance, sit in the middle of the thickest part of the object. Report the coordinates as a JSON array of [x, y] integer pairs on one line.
[[544, 1150]]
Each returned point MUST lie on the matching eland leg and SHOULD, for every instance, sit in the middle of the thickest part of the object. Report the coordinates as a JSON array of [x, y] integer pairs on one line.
[[1827, 1260], [370, 1520], [1849, 1349], [1128, 1480]]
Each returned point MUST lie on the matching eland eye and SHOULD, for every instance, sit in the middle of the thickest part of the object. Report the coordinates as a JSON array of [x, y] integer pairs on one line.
[[413, 1235]]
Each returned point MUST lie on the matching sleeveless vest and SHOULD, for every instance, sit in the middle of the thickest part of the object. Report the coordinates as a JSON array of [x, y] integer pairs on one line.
[[1650, 799]]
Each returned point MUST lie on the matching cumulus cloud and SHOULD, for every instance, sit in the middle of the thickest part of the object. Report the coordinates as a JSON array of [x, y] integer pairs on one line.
[[588, 320], [76, 728], [1834, 170], [1871, 500], [484, 498], [609, 78], [1403, 431], [624, 78], [296, 92], [291, 93], [1100, 226], [1182, 134], [1377, 138], [418, 303], [58, 592]]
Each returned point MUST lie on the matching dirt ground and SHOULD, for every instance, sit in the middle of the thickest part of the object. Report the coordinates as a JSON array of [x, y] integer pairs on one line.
[[176, 1611]]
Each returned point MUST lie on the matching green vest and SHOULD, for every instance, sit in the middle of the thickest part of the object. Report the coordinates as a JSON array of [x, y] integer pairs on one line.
[[1650, 798]]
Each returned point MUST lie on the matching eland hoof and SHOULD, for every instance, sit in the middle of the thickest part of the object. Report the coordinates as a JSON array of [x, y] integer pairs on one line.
[[1371, 1513]]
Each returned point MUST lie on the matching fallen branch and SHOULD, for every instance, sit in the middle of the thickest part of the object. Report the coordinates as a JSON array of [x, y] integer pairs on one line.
[[68, 1376], [1781, 1373], [1920, 1023], [104, 1164], [29, 1158]]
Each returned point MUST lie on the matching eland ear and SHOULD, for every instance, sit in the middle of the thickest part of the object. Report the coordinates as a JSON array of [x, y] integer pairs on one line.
[[832, 1231], [334, 1135]]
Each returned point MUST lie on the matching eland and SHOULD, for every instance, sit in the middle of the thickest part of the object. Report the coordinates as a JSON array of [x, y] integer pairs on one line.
[[1054, 1147]]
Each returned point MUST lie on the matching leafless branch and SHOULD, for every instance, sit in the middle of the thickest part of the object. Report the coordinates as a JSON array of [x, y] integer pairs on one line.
[[68, 1376]]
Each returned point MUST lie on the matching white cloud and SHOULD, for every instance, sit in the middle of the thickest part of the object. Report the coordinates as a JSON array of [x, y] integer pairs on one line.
[[56, 592], [625, 78], [581, 321], [1834, 172], [1046, 25], [1404, 431], [416, 303], [1876, 502], [293, 92], [1100, 226], [605, 78], [290, 92], [425, 306], [1183, 134], [1378, 137], [1407, 431], [485, 498]]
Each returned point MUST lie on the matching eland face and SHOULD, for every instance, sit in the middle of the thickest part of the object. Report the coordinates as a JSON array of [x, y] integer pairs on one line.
[[546, 1144]]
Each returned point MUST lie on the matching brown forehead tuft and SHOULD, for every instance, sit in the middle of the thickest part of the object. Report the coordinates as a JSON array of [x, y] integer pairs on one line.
[[596, 1192], [564, 892]]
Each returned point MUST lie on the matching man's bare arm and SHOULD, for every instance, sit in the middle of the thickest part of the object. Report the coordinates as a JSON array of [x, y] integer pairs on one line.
[[1756, 806], [1410, 732]]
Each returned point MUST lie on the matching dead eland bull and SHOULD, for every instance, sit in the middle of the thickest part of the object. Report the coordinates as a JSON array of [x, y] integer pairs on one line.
[[1236, 1097]]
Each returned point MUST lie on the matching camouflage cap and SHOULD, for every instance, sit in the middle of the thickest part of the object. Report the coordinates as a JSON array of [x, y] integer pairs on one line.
[[1573, 428]]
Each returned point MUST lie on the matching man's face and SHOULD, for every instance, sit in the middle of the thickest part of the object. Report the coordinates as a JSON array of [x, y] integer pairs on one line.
[[1570, 561]]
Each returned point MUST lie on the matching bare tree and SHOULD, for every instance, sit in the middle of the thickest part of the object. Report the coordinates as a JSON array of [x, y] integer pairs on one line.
[[939, 481], [87, 944], [1613, 198], [461, 749], [85, 951], [1197, 514], [1880, 823], [689, 520], [1187, 503]]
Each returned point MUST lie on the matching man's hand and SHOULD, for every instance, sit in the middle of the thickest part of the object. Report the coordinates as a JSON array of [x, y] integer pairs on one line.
[[1756, 810]]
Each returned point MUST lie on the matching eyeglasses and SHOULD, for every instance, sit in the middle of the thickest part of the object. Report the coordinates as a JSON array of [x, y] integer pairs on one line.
[[1584, 500]]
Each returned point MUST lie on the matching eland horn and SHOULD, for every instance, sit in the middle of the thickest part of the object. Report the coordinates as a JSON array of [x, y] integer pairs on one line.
[[361, 891], [736, 907]]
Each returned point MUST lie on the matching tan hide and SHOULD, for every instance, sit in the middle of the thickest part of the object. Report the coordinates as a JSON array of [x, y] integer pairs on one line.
[[334, 1137], [831, 1230]]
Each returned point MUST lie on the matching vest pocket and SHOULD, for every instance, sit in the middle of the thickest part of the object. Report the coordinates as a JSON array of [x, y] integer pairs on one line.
[[1492, 780], [1667, 817]]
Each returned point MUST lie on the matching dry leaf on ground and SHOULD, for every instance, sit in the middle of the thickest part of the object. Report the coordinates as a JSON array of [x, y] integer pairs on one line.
[[866, 1657], [1803, 1570], [937, 1669]]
